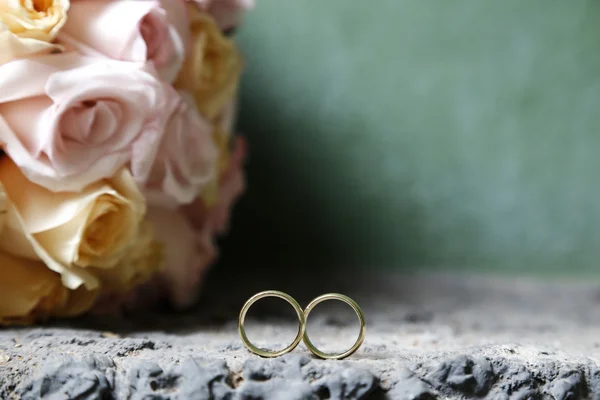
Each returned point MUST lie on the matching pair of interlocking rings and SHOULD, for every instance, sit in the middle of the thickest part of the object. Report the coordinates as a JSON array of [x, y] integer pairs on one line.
[[302, 317]]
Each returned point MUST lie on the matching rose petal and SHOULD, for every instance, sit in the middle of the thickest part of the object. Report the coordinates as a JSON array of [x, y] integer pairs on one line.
[[140, 31], [13, 47], [130, 111], [24, 284], [186, 159]]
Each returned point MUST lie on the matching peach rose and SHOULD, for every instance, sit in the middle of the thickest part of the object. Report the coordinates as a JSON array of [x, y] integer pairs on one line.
[[29, 291], [140, 263], [139, 31], [27, 288], [212, 70], [17, 242], [185, 161], [187, 254], [85, 117], [28, 27], [71, 232], [3, 207]]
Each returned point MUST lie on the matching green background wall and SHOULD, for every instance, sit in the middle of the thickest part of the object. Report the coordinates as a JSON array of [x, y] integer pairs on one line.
[[430, 134]]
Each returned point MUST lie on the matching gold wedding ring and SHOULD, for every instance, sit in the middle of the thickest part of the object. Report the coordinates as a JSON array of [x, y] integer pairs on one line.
[[361, 318], [302, 317], [262, 295]]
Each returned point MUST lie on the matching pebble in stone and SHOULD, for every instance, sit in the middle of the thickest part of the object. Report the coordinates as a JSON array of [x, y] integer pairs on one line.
[[275, 389], [90, 378], [348, 383], [202, 376], [465, 375], [288, 366], [570, 385], [284, 378], [276, 378], [594, 384], [194, 379], [411, 387], [148, 381], [518, 382]]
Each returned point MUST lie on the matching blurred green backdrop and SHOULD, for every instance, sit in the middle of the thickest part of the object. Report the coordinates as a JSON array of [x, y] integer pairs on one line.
[[421, 134]]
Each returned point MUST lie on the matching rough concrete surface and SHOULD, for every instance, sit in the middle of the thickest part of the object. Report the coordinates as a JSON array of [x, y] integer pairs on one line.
[[428, 337]]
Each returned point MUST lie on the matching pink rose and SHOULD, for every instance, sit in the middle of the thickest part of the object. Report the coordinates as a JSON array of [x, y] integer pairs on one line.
[[185, 278], [139, 31], [188, 254], [186, 159], [233, 184], [227, 13], [188, 239], [68, 120]]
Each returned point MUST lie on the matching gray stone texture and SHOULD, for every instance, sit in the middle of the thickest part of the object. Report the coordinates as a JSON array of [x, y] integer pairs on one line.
[[428, 337]]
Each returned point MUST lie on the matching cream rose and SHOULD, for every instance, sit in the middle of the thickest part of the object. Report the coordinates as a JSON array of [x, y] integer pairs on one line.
[[139, 31], [72, 232], [27, 288], [140, 263], [15, 241], [27, 27], [212, 70], [85, 117], [185, 162], [78, 302], [29, 291]]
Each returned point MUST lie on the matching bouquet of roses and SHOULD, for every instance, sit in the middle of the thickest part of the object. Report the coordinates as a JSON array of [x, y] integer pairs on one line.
[[118, 166]]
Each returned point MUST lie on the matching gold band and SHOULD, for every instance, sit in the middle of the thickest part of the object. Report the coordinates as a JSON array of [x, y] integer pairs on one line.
[[357, 310], [281, 295]]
